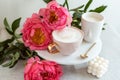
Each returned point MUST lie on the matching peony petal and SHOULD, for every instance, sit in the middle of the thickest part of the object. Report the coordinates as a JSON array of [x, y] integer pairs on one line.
[[31, 60], [37, 58], [52, 3], [32, 32], [27, 68], [42, 11]]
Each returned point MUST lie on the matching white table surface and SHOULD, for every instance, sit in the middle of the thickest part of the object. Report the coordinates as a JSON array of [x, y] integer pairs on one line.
[[111, 51]]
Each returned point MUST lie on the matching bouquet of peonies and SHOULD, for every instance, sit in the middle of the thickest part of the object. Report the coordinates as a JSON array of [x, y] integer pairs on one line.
[[37, 35], [37, 30]]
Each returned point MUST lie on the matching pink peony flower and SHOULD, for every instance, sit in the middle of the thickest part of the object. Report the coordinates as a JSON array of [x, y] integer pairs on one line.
[[55, 16], [35, 35], [42, 70]]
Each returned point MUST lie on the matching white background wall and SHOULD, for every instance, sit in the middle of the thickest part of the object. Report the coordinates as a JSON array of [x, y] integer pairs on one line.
[[13, 9]]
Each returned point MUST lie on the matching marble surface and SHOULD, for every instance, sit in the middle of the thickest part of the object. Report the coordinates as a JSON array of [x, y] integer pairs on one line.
[[110, 39]]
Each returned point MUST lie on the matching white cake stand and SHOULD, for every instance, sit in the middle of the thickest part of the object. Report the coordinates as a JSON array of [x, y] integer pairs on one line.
[[74, 58]]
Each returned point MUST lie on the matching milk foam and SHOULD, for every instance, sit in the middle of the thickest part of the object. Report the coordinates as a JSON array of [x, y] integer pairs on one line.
[[68, 34], [92, 18]]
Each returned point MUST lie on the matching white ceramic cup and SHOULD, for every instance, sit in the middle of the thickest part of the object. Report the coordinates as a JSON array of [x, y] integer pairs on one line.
[[92, 24], [68, 39]]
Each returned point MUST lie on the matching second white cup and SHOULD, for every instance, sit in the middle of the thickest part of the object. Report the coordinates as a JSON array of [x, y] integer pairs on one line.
[[92, 24]]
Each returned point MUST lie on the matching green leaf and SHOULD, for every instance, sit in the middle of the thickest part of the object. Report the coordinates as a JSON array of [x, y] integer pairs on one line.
[[67, 4], [76, 24], [6, 41], [103, 28], [17, 36], [47, 1], [99, 9], [13, 64], [2, 60], [77, 8], [64, 4], [1, 48], [77, 15], [21, 46], [14, 60], [7, 64], [10, 50], [9, 31], [77, 19], [87, 5], [17, 55], [10, 63], [6, 23], [7, 27], [16, 24]]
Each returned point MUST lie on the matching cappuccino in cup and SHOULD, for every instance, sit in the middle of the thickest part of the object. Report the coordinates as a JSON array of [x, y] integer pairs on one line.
[[68, 39]]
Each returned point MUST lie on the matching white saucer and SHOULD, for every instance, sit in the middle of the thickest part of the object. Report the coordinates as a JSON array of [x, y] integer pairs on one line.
[[74, 58]]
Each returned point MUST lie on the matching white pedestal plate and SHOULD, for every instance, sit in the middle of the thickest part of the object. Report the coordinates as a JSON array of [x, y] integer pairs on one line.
[[74, 58]]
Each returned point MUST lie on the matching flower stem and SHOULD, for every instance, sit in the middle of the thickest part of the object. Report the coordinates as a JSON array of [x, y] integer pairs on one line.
[[66, 3], [28, 53]]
